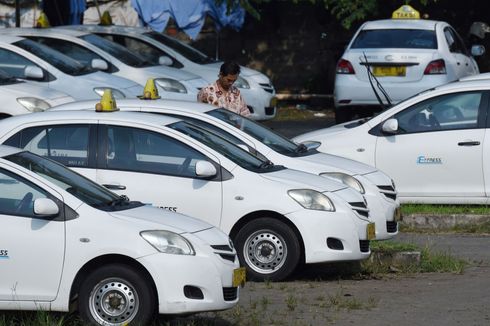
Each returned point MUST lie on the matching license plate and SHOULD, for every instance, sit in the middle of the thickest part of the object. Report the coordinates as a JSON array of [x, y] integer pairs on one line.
[[371, 231], [239, 277], [398, 214], [387, 71], [273, 101]]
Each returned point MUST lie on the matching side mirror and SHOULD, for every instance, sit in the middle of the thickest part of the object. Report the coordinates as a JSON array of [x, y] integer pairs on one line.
[[99, 64], [165, 61], [477, 50], [45, 207], [205, 169], [33, 72], [311, 145], [390, 126]]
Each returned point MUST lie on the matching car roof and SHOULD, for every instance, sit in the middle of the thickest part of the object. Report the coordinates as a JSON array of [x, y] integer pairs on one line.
[[119, 29], [401, 24], [42, 31], [10, 38], [7, 150]]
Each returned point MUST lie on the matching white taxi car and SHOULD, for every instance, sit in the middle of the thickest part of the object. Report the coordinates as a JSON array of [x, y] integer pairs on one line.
[[26, 59], [377, 188], [20, 97], [406, 55], [118, 60], [277, 217], [255, 87], [433, 145], [66, 242]]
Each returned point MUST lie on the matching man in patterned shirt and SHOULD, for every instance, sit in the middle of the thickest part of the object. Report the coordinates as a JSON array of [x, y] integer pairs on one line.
[[222, 93]]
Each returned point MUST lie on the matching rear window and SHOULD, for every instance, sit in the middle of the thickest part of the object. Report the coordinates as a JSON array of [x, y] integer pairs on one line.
[[395, 38]]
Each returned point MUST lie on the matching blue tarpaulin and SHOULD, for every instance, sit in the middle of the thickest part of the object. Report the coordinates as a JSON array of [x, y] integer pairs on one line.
[[189, 15]]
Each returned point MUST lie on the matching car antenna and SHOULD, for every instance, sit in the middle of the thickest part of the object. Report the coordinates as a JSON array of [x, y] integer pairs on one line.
[[371, 76]]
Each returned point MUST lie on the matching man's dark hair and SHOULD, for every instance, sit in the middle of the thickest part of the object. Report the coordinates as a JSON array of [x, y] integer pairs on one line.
[[229, 68]]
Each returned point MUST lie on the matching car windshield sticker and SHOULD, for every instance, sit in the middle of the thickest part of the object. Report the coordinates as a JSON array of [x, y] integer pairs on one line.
[[4, 254], [428, 160]]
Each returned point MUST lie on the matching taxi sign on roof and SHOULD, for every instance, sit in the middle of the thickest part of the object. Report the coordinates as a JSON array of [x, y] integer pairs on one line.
[[405, 12]]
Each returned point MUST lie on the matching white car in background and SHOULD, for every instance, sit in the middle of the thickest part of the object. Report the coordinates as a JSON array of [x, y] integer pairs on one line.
[[256, 88], [20, 97], [434, 145], [26, 59], [278, 218], [378, 189], [119, 61], [68, 243], [406, 56]]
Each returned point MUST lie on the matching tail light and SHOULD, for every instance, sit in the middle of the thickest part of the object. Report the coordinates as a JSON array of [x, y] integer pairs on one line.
[[344, 67], [436, 67]]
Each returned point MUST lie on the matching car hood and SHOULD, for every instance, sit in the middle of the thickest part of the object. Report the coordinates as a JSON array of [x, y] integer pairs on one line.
[[244, 71], [155, 217], [342, 163], [26, 89], [302, 180], [313, 135], [168, 72], [100, 79]]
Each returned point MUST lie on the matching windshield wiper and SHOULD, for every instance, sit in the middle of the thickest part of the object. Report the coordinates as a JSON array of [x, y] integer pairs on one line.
[[301, 148], [266, 164], [120, 201]]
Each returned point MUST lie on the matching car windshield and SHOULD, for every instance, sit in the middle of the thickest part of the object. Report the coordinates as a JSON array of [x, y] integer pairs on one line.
[[6, 79], [55, 58], [263, 134], [187, 51], [84, 189], [117, 51], [225, 148], [395, 38]]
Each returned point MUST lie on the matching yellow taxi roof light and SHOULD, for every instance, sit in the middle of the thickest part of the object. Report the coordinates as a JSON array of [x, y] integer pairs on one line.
[[150, 92], [106, 19], [405, 12], [107, 102], [42, 21]]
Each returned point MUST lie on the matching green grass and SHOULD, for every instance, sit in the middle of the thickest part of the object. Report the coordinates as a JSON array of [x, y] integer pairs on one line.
[[408, 209], [392, 246]]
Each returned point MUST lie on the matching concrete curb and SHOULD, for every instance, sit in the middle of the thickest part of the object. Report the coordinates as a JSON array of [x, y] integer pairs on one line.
[[431, 221]]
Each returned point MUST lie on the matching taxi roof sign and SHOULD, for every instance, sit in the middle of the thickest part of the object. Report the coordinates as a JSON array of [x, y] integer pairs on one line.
[[405, 12], [150, 91], [107, 102]]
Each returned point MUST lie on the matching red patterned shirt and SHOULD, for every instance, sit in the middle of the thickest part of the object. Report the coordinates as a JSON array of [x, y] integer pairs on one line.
[[232, 99]]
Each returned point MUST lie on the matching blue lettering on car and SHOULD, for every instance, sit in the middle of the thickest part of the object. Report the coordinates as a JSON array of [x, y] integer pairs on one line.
[[4, 254], [428, 160]]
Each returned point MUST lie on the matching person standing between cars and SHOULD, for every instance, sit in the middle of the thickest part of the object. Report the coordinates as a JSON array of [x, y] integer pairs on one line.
[[222, 93]]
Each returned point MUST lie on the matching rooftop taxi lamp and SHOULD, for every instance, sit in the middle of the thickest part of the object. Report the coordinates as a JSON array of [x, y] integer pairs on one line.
[[150, 92], [106, 19], [107, 103], [405, 12], [42, 21]]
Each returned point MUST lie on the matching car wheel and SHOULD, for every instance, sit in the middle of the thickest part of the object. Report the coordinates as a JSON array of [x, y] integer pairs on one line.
[[116, 295], [268, 248]]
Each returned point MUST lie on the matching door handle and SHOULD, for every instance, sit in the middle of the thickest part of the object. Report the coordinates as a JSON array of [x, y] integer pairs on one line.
[[114, 187], [469, 143]]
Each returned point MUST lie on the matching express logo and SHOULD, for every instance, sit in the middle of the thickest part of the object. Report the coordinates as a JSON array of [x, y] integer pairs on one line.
[[4, 254], [429, 160]]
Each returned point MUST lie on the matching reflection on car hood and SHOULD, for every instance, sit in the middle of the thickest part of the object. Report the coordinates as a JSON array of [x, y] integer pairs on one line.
[[27, 89], [354, 167], [303, 180], [178, 222], [100, 78], [168, 72]]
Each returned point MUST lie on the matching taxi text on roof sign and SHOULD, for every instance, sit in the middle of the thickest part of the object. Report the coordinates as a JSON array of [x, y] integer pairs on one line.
[[405, 12]]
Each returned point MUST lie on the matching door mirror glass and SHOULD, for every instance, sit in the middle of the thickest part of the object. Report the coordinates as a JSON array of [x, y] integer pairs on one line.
[[165, 61], [390, 126], [45, 207], [205, 169], [99, 64], [33, 72]]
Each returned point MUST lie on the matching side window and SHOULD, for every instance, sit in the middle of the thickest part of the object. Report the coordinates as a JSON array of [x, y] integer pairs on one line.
[[447, 112], [17, 195], [454, 42], [138, 150], [13, 63], [67, 144]]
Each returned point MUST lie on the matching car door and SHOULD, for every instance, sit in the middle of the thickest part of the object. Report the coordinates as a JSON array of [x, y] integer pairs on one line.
[[438, 148], [31, 247], [155, 168], [461, 62]]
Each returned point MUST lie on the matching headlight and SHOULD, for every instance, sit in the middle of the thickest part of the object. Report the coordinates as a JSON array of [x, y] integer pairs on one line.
[[346, 179], [311, 199], [33, 104], [242, 83], [115, 92], [171, 85], [168, 242]]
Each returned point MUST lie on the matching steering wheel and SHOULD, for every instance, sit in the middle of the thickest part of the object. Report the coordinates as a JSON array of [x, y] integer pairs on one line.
[[24, 203]]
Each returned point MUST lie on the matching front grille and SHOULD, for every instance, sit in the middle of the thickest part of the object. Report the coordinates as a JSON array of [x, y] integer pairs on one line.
[[222, 248], [250, 108], [230, 294], [229, 257], [267, 87], [270, 110], [364, 245], [391, 226], [360, 208], [388, 191], [225, 251]]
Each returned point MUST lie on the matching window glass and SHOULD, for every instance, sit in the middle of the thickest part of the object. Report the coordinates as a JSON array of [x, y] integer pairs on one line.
[[447, 112], [395, 38], [132, 149], [17, 195], [13, 63], [67, 144]]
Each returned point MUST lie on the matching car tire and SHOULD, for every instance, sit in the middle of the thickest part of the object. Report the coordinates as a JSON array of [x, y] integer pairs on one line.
[[268, 248], [116, 294]]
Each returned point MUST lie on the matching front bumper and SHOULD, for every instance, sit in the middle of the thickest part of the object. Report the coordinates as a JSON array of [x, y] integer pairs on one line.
[[261, 103]]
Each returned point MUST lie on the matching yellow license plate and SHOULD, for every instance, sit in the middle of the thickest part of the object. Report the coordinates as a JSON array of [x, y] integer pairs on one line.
[[273, 101], [398, 214], [386, 71], [239, 277], [371, 231]]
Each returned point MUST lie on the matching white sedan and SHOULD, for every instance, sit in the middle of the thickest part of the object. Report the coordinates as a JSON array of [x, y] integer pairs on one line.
[[406, 56], [433, 145], [68, 243], [26, 59], [256, 88], [377, 188], [278, 218]]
